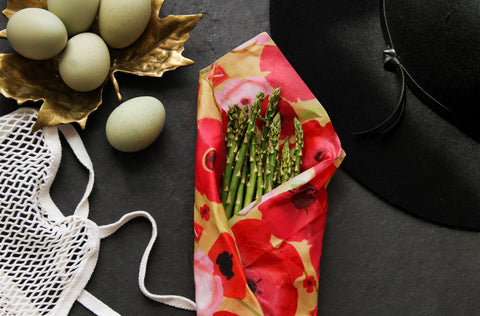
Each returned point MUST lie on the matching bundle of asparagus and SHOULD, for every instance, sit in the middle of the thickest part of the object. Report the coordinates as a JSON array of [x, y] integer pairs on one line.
[[254, 164]]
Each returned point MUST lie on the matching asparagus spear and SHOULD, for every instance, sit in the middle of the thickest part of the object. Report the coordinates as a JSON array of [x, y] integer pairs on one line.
[[231, 140], [272, 151], [286, 162], [269, 114], [238, 117], [298, 146], [260, 166], [240, 157], [241, 189], [252, 180], [252, 166]]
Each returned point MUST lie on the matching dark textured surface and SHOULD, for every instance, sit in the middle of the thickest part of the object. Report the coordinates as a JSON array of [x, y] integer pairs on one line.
[[376, 259], [426, 166]]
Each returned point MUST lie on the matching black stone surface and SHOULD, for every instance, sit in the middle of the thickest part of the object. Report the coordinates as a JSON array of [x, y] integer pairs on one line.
[[377, 260]]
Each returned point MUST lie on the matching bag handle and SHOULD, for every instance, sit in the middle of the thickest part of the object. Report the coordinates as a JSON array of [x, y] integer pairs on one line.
[[81, 153], [95, 305], [171, 300], [88, 300]]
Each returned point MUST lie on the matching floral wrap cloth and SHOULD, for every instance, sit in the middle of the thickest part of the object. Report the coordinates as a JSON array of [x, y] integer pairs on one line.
[[264, 260]]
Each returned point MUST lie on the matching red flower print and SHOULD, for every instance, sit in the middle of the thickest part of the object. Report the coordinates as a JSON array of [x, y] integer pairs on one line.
[[282, 74], [241, 91], [298, 215], [309, 283], [271, 271], [304, 197], [218, 75], [287, 113], [227, 265], [205, 212], [208, 166], [321, 143], [207, 283]]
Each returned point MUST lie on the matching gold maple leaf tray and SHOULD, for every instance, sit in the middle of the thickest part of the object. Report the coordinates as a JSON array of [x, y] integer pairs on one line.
[[159, 49]]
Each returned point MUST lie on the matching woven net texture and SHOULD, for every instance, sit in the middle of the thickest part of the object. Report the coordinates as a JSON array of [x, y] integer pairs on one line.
[[40, 254]]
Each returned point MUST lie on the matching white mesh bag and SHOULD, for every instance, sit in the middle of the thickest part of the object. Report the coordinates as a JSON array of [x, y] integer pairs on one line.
[[46, 259]]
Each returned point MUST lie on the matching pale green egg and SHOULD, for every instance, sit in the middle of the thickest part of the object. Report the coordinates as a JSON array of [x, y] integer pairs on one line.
[[85, 63], [121, 22], [77, 15], [135, 124], [36, 33]]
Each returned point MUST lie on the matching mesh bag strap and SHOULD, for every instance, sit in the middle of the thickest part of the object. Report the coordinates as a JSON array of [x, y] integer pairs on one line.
[[81, 153], [171, 300], [95, 305], [85, 298]]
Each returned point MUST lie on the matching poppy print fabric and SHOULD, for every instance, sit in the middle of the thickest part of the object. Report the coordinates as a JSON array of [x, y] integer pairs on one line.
[[265, 259]]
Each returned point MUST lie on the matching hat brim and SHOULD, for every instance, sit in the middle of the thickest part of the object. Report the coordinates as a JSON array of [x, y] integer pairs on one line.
[[425, 166]]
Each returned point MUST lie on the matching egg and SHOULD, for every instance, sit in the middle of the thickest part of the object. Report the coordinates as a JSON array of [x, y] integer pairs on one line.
[[36, 33], [77, 15], [85, 63], [121, 22], [135, 124]]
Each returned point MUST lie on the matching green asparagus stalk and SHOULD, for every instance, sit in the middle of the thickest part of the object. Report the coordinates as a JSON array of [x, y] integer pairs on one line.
[[239, 118], [252, 180], [286, 162], [253, 166], [269, 114], [260, 166], [240, 157], [299, 142], [276, 175], [241, 188], [230, 136], [232, 145], [272, 152]]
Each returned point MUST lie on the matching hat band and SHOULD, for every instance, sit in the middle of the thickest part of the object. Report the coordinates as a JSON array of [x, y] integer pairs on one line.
[[391, 63]]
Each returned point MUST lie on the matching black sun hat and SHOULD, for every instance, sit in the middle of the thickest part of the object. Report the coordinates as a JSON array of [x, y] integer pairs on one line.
[[406, 74]]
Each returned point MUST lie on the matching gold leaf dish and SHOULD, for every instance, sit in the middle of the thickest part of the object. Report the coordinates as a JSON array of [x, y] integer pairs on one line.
[[158, 50]]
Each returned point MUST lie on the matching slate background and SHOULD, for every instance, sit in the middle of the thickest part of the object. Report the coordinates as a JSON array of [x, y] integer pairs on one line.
[[377, 260]]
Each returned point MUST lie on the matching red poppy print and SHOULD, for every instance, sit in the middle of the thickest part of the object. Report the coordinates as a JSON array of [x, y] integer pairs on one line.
[[207, 165], [287, 113], [205, 212], [207, 283], [271, 271], [210, 158], [261, 262], [282, 74], [297, 215], [241, 91], [227, 265], [321, 143], [309, 284], [217, 75]]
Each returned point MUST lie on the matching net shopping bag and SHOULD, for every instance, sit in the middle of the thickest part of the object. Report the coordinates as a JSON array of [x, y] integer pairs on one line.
[[265, 259], [46, 258]]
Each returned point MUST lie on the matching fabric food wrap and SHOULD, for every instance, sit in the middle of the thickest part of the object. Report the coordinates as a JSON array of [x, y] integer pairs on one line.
[[265, 259]]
